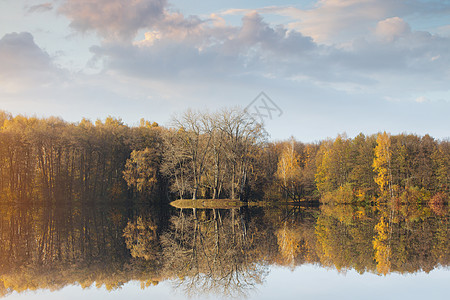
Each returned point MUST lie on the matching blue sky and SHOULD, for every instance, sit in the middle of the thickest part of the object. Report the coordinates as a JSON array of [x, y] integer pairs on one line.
[[304, 282], [331, 66]]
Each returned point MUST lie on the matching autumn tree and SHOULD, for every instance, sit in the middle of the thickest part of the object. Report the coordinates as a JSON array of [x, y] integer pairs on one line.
[[441, 166], [361, 175], [333, 164], [141, 238], [223, 154], [141, 170], [382, 247], [288, 170], [382, 163]]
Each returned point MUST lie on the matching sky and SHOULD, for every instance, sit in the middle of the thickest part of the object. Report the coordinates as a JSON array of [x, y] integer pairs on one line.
[[325, 67], [304, 282]]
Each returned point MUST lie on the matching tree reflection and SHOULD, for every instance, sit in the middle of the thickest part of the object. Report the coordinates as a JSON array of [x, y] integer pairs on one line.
[[141, 239], [51, 247], [211, 252], [382, 239], [216, 251]]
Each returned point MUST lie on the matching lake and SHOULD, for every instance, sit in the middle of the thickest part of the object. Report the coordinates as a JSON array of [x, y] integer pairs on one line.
[[142, 251]]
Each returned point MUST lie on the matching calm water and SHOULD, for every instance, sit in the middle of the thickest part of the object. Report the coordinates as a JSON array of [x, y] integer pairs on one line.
[[145, 252]]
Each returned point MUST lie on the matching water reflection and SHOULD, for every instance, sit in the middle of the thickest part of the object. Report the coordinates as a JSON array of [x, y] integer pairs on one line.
[[212, 251]]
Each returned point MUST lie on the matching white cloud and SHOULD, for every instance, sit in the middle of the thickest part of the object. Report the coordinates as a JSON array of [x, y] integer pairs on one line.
[[390, 57], [207, 50], [335, 22], [392, 28], [113, 19], [335, 61], [391, 64], [444, 30], [436, 57], [24, 64], [421, 99]]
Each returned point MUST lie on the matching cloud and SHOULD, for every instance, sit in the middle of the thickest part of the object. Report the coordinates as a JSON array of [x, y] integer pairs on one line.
[[395, 56], [113, 19], [40, 7], [255, 32], [208, 50], [401, 64], [350, 45], [331, 21], [24, 64], [392, 28], [444, 30], [338, 21], [334, 62], [421, 99]]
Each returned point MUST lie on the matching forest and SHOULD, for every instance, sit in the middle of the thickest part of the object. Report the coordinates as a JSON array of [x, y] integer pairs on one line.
[[211, 155], [86, 203]]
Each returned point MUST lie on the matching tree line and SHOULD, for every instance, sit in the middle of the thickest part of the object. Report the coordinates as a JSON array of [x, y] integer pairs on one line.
[[383, 167], [221, 154], [52, 161]]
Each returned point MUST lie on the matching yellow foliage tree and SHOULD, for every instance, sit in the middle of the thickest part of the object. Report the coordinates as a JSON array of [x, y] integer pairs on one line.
[[288, 169], [322, 178], [141, 239], [289, 244], [141, 169], [381, 247], [333, 164], [382, 163]]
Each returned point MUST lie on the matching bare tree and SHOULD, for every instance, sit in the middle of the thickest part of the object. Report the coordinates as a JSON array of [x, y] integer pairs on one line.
[[194, 132], [176, 161], [242, 134]]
